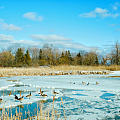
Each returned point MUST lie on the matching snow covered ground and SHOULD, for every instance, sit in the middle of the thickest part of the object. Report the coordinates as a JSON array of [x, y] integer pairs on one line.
[[115, 73], [86, 97]]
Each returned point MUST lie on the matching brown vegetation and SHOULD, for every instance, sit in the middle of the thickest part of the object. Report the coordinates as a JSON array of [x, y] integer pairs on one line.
[[43, 114], [56, 70]]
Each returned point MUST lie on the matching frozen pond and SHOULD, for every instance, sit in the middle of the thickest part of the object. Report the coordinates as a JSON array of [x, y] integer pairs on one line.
[[85, 97]]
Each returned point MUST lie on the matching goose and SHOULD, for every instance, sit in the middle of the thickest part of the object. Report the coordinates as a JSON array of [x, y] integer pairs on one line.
[[88, 83], [29, 95], [54, 92], [41, 92], [21, 98], [83, 83], [0, 100], [97, 83], [43, 95], [16, 97]]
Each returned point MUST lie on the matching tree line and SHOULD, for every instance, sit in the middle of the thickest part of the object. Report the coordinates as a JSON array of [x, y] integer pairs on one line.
[[50, 56]]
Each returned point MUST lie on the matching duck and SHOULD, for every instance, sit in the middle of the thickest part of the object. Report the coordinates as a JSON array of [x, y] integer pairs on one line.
[[97, 83], [88, 83], [0, 100], [41, 92], [21, 98], [29, 95], [16, 97], [54, 92], [83, 83], [43, 95]]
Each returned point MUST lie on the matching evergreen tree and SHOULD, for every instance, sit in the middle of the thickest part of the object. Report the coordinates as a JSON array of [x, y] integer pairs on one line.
[[79, 59], [62, 59], [66, 58], [79, 55], [40, 54], [62, 55], [27, 58], [19, 58], [96, 60], [42, 60], [70, 59]]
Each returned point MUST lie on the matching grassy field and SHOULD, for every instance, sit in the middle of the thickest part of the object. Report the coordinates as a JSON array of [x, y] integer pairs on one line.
[[87, 68], [45, 70]]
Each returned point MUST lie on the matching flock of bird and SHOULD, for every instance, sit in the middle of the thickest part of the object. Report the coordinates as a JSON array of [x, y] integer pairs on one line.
[[41, 93], [84, 83]]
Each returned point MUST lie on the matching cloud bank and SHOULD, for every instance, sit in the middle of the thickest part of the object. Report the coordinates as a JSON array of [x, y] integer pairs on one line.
[[99, 12], [60, 42]]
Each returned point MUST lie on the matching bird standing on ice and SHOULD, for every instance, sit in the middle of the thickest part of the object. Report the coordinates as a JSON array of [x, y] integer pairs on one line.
[[97, 83], [29, 95], [83, 83], [54, 92], [0, 100], [21, 98], [16, 97]]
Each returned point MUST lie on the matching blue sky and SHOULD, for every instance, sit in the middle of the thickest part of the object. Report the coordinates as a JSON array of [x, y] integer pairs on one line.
[[66, 24]]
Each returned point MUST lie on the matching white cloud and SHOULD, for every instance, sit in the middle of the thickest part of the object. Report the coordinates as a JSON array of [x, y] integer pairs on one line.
[[25, 42], [99, 12], [49, 37], [73, 45], [7, 41], [6, 38], [88, 15], [10, 27], [33, 16], [60, 42]]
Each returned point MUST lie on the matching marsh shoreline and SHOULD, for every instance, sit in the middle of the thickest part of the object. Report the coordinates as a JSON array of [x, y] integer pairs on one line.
[[56, 70]]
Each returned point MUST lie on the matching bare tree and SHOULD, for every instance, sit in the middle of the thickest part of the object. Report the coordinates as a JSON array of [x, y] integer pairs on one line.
[[115, 54]]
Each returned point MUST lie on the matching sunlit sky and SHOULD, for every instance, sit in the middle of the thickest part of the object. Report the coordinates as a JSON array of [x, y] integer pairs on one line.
[[66, 24]]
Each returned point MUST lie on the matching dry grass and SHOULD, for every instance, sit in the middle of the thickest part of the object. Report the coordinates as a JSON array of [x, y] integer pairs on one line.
[[74, 68], [4, 72], [40, 114], [86, 68], [113, 67]]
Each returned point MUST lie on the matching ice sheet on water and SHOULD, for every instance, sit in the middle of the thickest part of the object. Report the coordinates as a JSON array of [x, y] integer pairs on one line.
[[88, 101]]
